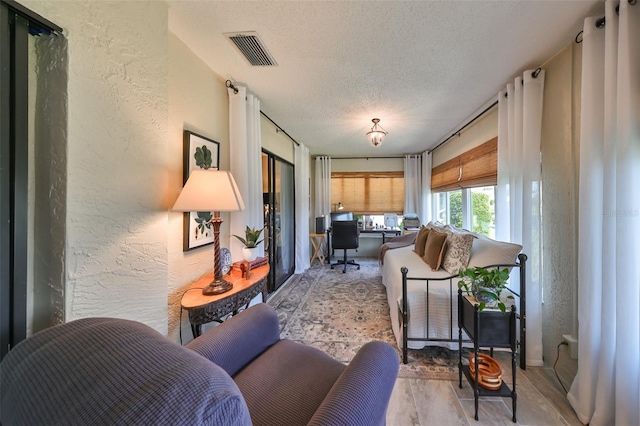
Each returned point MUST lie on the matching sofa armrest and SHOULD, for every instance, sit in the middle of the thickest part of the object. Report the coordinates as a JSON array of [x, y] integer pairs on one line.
[[361, 394], [237, 341]]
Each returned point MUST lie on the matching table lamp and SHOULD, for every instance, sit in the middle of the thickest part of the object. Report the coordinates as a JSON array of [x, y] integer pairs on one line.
[[211, 191]]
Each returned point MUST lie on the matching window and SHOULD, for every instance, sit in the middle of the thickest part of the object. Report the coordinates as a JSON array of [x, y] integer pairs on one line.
[[470, 208], [448, 207], [368, 193], [483, 212], [464, 189]]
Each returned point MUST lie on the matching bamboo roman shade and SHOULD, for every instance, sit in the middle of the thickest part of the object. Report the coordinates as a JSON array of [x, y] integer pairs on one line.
[[368, 192], [476, 167]]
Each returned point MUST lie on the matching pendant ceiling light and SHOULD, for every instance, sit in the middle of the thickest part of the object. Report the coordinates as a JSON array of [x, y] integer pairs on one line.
[[377, 133]]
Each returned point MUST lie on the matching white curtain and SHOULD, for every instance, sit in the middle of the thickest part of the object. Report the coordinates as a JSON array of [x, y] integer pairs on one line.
[[518, 192], [323, 186], [417, 185], [426, 213], [246, 164], [412, 184], [606, 389], [285, 241], [302, 207]]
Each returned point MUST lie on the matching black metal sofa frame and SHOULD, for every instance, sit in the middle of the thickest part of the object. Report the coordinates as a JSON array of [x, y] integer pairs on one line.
[[521, 310]]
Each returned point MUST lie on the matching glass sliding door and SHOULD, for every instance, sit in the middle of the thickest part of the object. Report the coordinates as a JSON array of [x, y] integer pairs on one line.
[[279, 206]]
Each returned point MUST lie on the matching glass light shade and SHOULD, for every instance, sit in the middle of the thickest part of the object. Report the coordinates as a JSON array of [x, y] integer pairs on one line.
[[377, 133], [376, 137], [209, 190]]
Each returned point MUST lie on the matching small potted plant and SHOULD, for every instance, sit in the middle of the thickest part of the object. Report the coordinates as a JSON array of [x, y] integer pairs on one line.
[[486, 285], [250, 249]]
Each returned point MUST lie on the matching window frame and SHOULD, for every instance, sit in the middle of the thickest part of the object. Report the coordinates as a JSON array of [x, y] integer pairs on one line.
[[467, 207]]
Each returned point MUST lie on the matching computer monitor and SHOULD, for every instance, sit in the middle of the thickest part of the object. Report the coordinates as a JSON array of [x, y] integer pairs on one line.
[[390, 220], [341, 216]]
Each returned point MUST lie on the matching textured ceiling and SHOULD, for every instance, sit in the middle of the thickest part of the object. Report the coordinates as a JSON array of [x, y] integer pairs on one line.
[[422, 67]]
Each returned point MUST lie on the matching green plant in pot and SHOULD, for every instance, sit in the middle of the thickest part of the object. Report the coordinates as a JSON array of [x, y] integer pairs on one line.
[[486, 285], [250, 241]]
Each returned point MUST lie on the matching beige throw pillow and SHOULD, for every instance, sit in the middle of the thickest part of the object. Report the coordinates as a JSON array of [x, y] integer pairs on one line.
[[421, 240], [434, 249], [458, 251]]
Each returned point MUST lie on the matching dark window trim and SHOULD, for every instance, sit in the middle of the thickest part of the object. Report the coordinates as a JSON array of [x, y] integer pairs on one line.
[[16, 24], [37, 24]]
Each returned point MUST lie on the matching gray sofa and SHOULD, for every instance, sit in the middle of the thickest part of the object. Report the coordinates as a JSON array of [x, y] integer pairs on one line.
[[105, 371]]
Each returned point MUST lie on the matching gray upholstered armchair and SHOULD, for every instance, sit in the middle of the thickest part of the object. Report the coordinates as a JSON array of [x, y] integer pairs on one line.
[[113, 371]]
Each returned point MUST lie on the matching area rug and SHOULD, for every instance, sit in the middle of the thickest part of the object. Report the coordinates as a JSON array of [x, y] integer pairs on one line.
[[338, 313]]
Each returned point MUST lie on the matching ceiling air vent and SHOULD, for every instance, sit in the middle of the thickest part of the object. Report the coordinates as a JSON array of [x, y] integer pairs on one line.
[[252, 48]]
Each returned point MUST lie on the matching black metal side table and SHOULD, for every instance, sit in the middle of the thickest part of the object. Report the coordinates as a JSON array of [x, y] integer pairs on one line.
[[490, 328]]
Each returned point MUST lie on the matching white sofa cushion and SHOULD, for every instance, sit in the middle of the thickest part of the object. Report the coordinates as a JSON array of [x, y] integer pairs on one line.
[[486, 252]]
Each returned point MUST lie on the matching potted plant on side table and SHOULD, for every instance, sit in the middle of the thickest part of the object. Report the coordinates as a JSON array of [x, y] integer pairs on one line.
[[486, 285], [250, 249]]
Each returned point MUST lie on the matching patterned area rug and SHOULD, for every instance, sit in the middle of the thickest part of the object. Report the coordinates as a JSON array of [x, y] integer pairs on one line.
[[338, 313]]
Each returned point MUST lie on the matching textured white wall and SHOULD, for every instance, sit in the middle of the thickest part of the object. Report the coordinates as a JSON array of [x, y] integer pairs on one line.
[[116, 223], [480, 131], [560, 136], [276, 142], [198, 101]]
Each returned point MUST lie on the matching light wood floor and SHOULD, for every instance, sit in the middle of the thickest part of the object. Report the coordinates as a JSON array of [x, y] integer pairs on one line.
[[540, 399]]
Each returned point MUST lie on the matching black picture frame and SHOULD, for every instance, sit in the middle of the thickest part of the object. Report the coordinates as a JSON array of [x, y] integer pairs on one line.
[[198, 152]]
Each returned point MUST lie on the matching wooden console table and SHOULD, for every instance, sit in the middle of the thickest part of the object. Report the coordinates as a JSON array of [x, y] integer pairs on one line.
[[203, 309]]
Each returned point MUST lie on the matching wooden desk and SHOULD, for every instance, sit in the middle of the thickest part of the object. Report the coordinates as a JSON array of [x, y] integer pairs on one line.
[[316, 241], [382, 231], [203, 309], [379, 231]]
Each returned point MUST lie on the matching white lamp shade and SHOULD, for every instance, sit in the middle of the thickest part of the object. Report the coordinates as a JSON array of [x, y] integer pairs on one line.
[[208, 191]]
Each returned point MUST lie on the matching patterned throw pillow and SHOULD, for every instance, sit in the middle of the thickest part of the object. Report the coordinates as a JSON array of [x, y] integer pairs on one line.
[[458, 251]]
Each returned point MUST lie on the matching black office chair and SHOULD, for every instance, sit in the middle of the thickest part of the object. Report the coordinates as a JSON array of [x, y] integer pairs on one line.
[[345, 235]]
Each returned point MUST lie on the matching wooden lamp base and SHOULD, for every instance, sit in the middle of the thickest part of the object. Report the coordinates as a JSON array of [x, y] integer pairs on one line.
[[217, 287]]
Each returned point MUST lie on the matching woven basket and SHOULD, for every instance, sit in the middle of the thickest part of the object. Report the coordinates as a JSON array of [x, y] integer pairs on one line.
[[489, 371]]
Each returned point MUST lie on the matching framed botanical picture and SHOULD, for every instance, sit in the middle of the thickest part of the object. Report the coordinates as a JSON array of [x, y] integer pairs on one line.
[[199, 152]]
